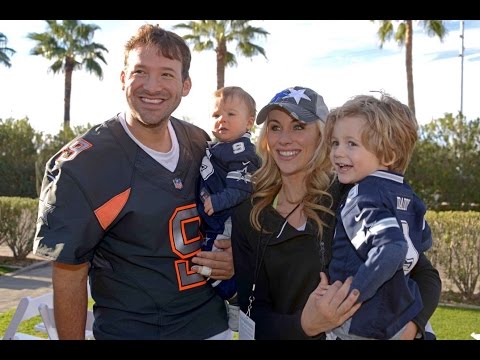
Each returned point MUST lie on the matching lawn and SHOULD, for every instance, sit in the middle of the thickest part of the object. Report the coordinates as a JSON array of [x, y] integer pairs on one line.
[[6, 269], [449, 323], [26, 326]]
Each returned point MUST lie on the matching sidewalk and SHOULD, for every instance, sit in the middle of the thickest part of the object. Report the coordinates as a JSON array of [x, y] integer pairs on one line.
[[33, 280]]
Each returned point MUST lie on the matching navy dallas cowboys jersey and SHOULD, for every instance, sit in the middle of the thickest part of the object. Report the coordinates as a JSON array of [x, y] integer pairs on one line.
[[225, 175], [106, 201], [226, 172], [379, 234]]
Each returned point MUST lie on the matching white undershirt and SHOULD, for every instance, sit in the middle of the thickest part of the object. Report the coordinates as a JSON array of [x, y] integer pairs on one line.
[[302, 227], [169, 160]]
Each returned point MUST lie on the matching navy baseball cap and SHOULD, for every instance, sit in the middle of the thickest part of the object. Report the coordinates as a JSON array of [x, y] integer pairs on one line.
[[302, 103]]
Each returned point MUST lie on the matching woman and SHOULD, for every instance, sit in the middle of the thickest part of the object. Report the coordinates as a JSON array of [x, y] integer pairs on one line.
[[281, 237]]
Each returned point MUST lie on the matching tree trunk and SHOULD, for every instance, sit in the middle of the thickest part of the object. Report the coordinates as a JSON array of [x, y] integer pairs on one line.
[[221, 60], [68, 92], [409, 65]]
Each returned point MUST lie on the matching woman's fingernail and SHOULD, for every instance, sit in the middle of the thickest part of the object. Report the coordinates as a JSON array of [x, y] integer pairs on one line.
[[195, 268]]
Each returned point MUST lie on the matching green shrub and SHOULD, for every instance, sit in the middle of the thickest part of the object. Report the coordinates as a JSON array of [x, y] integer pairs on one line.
[[18, 217], [456, 247]]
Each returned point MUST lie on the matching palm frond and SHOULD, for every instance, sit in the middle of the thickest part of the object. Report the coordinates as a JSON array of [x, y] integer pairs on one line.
[[218, 35], [69, 44]]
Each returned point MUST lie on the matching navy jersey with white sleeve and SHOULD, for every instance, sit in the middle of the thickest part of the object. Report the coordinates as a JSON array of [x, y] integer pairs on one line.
[[226, 172], [380, 232]]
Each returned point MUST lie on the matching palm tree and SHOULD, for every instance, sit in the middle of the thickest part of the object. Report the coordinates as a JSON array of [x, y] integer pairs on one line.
[[217, 34], [70, 45], [5, 51], [404, 36]]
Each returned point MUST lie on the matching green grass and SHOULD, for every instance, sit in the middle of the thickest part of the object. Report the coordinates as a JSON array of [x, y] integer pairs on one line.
[[27, 326], [6, 269], [451, 323]]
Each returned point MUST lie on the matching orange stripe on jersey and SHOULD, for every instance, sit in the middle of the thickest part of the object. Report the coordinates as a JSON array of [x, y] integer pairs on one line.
[[109, 211]]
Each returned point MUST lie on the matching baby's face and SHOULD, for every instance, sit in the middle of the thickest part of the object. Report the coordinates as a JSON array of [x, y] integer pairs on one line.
[[231, 118]]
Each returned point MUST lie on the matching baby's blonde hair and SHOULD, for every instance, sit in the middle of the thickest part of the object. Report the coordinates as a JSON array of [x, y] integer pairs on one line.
[[390, 132], [236, 91]]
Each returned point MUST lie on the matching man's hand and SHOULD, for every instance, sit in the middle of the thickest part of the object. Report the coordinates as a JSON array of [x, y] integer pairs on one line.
[[221, 262]]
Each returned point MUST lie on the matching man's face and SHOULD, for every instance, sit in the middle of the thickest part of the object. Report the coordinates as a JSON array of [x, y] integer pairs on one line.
[[153, 87]]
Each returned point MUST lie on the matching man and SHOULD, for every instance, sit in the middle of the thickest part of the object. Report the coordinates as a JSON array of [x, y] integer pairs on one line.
[[118, 206]]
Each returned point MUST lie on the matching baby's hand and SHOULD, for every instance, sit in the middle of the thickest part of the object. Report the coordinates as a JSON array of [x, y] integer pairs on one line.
[[322, 289], [208, 206], [323, 286]]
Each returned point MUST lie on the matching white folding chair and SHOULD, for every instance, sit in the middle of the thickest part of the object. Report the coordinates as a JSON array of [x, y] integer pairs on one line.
[[48, 317], [26, 309]]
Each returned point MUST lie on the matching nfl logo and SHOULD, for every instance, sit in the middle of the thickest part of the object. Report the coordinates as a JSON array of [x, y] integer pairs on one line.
[[178, 183]]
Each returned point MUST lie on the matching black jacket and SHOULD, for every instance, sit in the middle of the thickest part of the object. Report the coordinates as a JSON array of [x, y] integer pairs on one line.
[[289, 265]]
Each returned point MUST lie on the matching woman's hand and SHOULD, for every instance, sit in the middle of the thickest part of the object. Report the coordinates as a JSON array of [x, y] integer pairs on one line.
[[328, 308]]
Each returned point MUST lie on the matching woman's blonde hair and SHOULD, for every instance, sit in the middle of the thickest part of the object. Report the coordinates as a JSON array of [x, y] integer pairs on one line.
[[267, 181]]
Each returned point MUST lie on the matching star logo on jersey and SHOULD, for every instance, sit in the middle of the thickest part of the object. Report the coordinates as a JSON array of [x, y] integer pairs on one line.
[[362, 235], [244, 174], [366, 229]]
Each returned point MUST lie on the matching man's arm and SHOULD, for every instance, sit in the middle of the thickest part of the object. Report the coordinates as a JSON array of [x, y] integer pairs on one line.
[[70, 300]]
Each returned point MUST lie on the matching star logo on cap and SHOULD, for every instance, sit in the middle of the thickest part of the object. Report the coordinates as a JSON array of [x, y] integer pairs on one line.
[[297, 95]]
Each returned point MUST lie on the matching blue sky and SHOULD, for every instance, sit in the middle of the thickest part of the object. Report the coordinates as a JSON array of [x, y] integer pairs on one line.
[[337, 58]]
